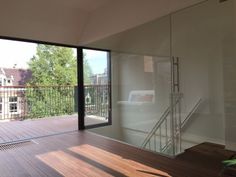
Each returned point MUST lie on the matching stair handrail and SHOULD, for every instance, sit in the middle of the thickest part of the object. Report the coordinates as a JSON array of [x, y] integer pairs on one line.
[[183, 123], [191, 113], [158, 124]]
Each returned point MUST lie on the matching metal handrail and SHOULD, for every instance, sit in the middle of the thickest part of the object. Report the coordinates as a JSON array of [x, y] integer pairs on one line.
[[163, 118], [156, 127], [191, 113], [183, 123], [158, 124]]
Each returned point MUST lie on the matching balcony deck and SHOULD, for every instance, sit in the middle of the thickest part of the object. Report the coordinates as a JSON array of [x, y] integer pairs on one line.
[[14, 131]]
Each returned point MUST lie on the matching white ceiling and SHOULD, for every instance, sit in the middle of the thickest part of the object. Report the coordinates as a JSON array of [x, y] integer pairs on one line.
[[122, 15], [77, 21], [86, 5]]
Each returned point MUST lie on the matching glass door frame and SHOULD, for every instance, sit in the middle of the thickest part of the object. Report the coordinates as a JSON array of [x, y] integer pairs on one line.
[[81, 99]]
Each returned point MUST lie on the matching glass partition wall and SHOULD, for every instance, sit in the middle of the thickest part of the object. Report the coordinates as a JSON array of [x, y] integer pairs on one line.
[[171, 82], [141, 86], [196, 41]]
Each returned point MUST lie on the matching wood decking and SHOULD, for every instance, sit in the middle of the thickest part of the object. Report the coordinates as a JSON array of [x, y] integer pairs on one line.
[[86, 154], [22, 130]]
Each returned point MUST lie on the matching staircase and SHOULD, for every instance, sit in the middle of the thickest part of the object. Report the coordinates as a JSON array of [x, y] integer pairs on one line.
[[165, 136], [209, 156]]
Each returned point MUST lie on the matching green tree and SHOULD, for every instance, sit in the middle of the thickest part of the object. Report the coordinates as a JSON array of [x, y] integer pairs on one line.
[[87, 72], [53, 65], [54, 75]]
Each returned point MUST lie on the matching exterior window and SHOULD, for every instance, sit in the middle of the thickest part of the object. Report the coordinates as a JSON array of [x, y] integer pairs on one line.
[[13, 104]]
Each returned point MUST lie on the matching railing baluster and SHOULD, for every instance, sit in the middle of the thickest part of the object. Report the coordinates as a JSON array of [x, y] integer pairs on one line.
[[166, 134], [160, 138], [155, 142]]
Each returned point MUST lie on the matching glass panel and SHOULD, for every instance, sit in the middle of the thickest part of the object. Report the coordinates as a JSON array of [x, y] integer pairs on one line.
[[202, 107], [96, 86], [144, 89], [141, 86], [228, 46], [196, 40]]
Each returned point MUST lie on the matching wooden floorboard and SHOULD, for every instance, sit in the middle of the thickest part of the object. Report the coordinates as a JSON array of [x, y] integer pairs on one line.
[[89, 155], [86, 154]]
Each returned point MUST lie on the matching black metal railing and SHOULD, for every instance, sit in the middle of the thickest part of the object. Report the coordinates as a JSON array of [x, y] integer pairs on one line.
[[97, 100], [23, 102]]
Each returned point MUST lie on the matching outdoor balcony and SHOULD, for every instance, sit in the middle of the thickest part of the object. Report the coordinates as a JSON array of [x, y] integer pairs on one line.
[[32, 112]]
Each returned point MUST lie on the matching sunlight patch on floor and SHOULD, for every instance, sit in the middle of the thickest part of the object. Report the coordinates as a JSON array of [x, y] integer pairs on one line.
[[70, 166], [125, 166]]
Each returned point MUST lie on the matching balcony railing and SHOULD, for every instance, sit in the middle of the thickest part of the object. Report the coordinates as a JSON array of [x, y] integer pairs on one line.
[[47, 101], [96, 100]]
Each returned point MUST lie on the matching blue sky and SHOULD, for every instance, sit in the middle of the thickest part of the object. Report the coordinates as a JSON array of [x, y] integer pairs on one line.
[[19, 53], [97, 60]]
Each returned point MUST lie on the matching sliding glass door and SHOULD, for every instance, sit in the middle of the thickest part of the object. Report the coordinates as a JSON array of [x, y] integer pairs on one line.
[[96, 75]]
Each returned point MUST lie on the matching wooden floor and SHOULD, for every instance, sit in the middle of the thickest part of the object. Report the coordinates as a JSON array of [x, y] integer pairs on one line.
[[33, 128], [86, 154]]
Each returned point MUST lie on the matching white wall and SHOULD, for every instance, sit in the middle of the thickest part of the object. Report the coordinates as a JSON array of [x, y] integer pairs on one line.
[[152, 38]]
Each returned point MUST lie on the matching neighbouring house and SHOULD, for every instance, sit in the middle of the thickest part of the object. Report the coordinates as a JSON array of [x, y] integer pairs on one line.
[[12, 92], [99, 79]]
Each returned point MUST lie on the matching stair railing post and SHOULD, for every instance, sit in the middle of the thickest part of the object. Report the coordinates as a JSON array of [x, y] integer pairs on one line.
[[172, 126]]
